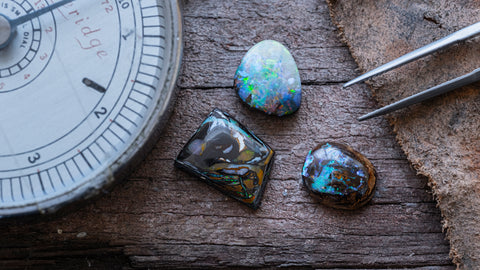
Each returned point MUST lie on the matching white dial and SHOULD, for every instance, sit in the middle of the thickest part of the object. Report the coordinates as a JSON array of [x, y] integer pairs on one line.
[[81, 87]]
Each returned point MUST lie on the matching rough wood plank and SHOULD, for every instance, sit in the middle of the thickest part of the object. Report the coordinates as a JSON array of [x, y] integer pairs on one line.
[[161, 217]]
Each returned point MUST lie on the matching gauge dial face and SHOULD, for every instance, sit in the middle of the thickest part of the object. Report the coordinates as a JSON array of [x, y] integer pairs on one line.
[[81, 88]]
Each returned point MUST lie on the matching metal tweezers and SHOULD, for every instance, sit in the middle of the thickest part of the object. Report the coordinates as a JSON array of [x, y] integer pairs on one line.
[[451, 39]]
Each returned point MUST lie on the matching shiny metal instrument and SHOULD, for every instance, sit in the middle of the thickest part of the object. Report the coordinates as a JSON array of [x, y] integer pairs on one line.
[[460, 35]]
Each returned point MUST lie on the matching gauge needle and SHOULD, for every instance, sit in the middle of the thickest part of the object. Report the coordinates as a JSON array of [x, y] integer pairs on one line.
[[8, 26]]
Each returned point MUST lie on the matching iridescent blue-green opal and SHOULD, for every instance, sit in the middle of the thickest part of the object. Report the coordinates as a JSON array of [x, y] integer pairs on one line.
[[268, 79], [338, 176], [229, 157]]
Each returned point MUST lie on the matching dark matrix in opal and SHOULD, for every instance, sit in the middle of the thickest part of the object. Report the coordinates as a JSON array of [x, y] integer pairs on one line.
[[339, 176], [226, 155]]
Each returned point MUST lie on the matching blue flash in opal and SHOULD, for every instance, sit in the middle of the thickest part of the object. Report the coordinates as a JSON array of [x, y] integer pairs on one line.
[[339, 176], [267, 79]]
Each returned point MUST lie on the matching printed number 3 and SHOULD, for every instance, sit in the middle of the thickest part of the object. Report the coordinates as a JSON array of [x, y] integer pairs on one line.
[[34, 158]]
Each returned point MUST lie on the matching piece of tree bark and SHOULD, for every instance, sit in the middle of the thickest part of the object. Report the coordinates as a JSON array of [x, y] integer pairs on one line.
[[440, 136]]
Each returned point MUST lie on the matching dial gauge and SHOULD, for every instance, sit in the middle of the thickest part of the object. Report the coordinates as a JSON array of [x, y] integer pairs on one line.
[[85, 86]]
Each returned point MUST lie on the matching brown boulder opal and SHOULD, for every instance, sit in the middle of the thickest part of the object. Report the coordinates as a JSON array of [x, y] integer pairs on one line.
[[339, 176], [229, 157]]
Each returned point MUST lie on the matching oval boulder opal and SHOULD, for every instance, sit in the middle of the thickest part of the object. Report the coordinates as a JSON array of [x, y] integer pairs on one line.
[[339, 176], [268, 79]]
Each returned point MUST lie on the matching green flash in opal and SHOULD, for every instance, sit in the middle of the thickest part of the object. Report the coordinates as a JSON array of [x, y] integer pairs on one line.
[[267, 79]]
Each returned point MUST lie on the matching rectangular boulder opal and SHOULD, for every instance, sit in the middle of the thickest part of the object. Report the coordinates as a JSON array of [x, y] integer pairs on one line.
[[229, 157]]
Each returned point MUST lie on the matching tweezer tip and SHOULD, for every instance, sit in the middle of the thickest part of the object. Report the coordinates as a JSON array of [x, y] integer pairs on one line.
[[354, 81], [347, 84], [367, 116], [362, 118]]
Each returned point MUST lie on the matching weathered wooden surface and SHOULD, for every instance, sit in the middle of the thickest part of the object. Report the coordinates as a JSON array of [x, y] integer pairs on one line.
[[162, 217], [440, 136]]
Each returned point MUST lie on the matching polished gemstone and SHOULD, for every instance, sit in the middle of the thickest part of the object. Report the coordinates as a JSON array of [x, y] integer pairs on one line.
[[339, 176], [268, 79], [226, 155]]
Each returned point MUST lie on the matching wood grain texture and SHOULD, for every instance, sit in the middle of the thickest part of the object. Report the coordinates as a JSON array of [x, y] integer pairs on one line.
[[161, 217], [440, 136]]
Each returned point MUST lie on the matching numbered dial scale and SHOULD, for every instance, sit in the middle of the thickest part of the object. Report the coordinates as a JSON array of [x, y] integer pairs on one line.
[[84, 89]]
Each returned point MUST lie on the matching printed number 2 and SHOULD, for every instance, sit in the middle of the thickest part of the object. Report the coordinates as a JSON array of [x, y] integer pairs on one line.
[[101, 112]]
